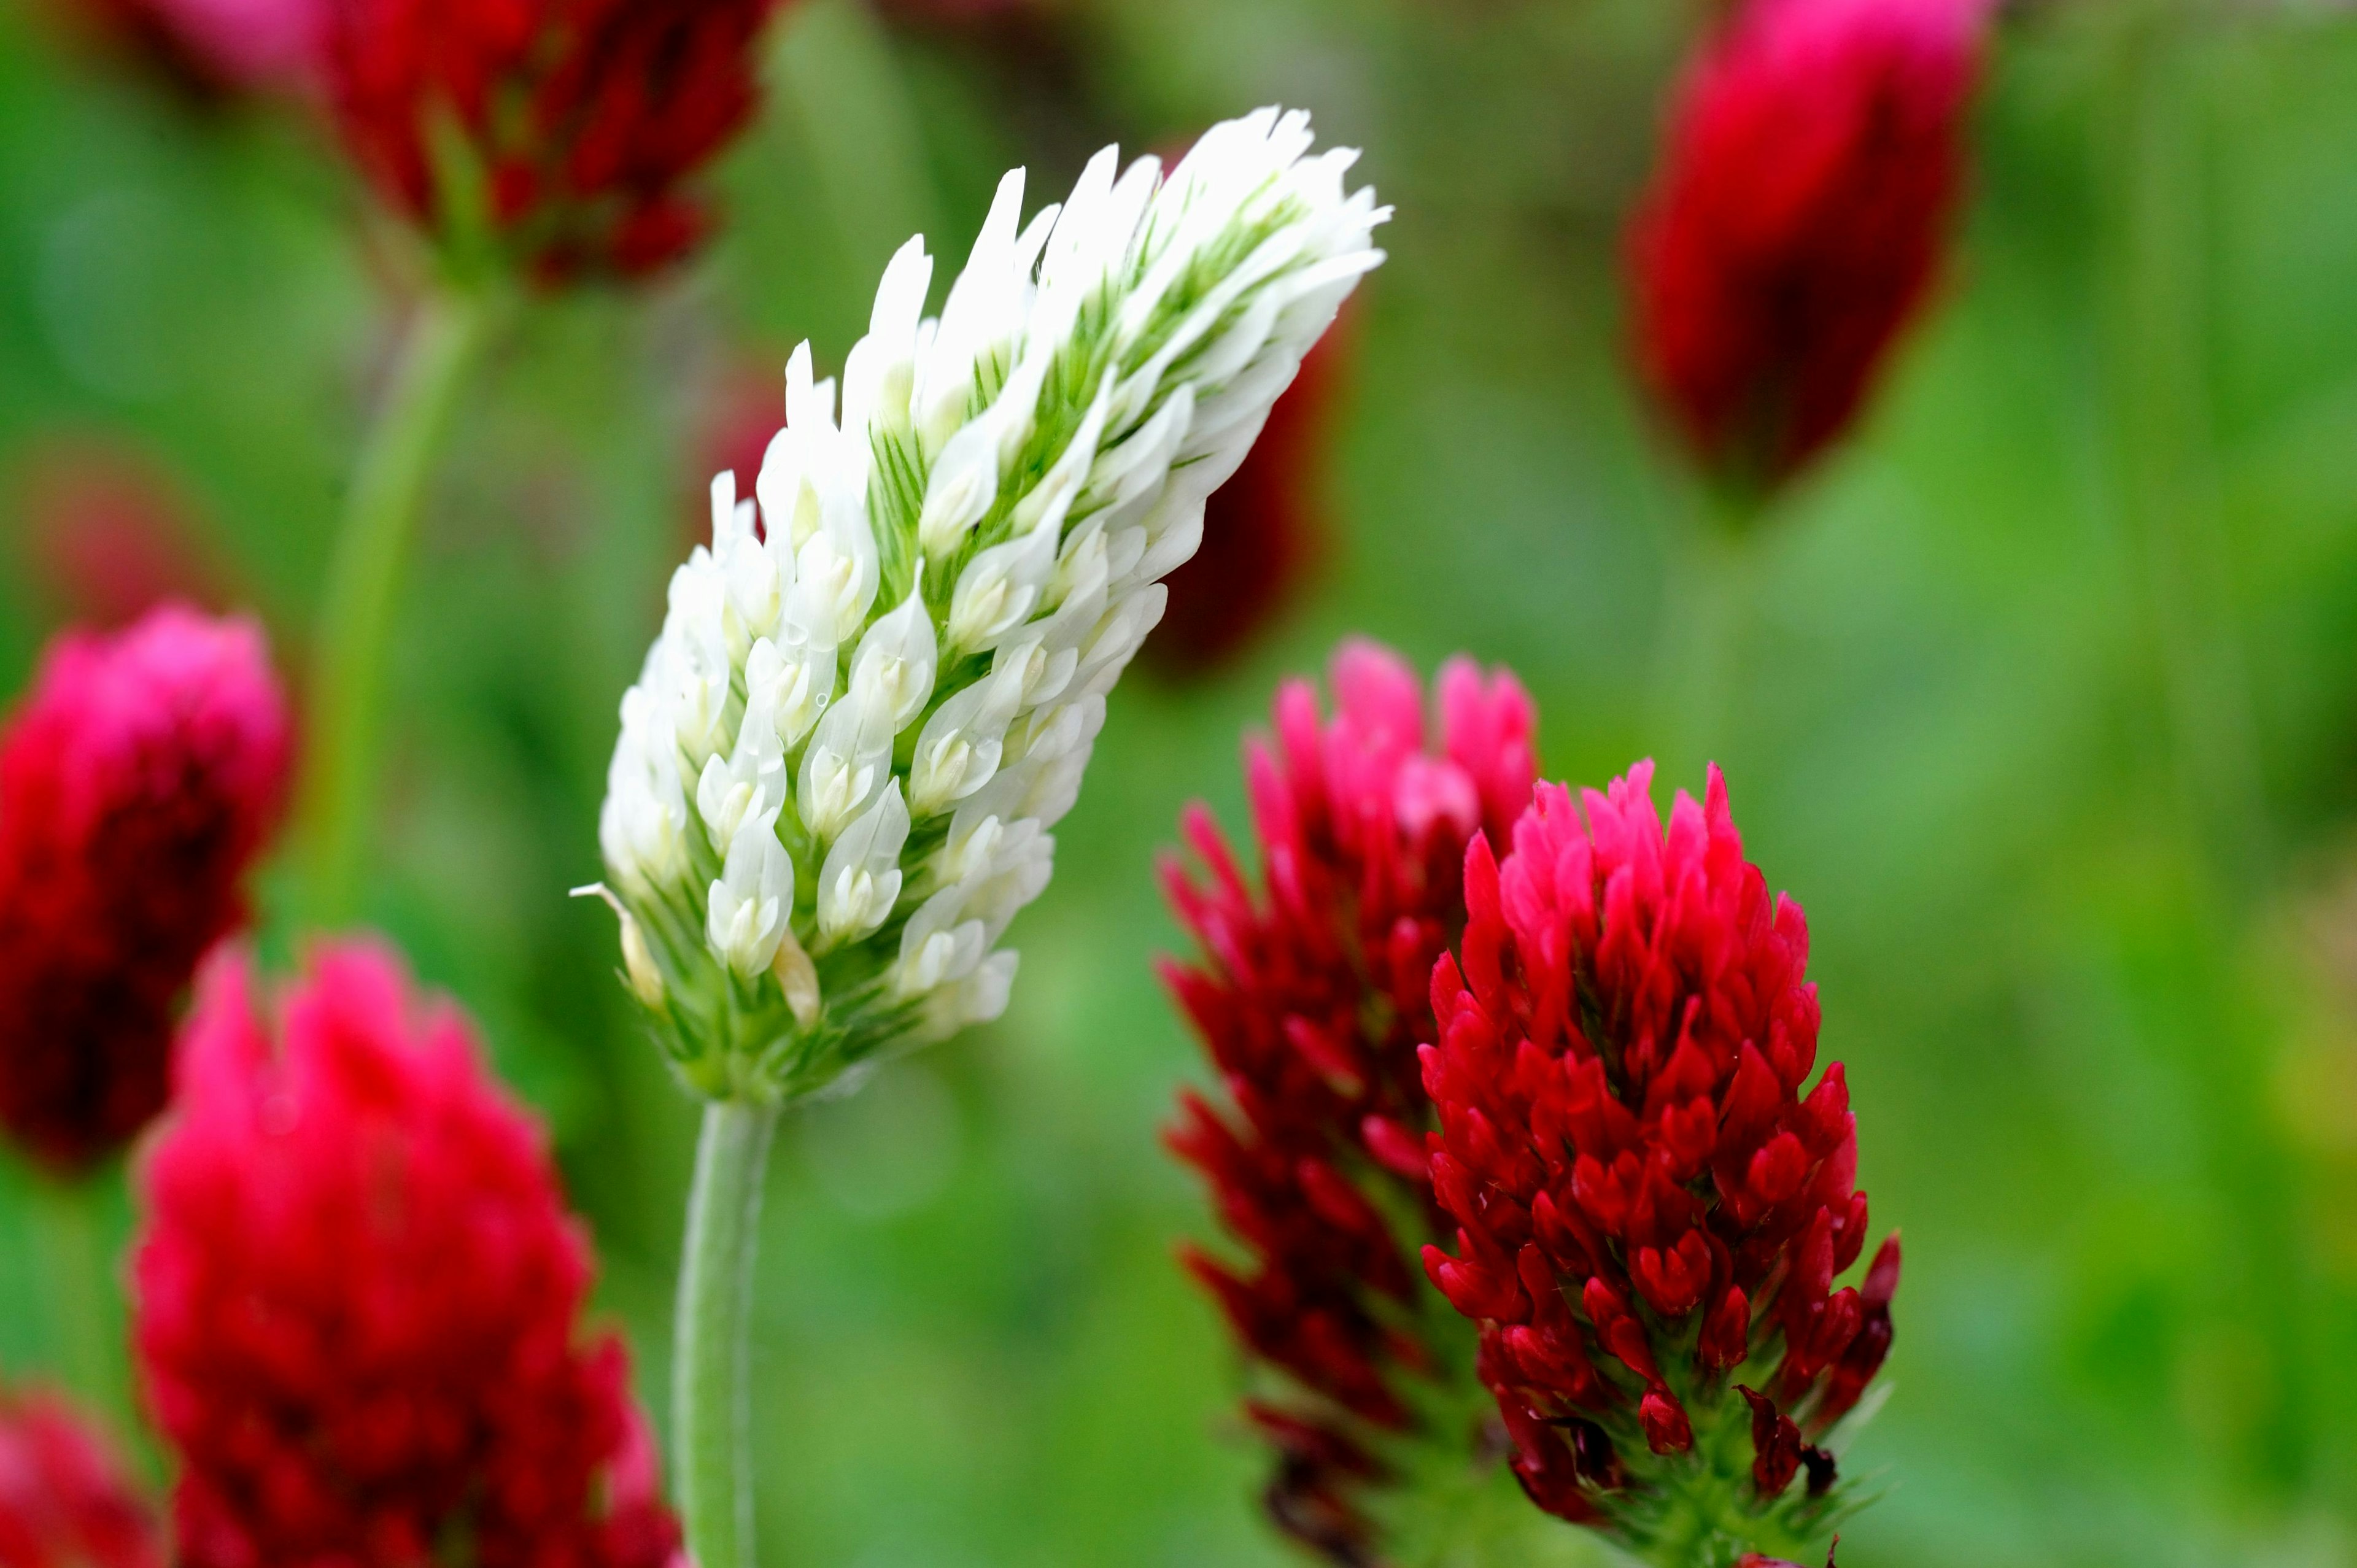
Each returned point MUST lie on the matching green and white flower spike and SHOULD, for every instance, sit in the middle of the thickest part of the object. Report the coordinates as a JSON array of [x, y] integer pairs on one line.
[[878, 689]]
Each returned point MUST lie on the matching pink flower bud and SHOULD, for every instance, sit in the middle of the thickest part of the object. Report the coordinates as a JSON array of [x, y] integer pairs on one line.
[[1812, 161]]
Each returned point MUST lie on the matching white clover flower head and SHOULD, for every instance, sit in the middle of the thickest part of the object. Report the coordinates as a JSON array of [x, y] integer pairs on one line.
[[878, 688]]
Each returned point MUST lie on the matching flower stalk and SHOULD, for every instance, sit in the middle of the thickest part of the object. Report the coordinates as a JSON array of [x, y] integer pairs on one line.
[[1707, 615], [441, 345], [877, 690], [2162, 442], [712, 1409], [80, 1296]]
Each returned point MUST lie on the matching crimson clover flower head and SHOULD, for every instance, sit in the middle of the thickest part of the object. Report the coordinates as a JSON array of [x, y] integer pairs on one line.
[[65, 1498], [138, 780], [1310, 997], [1651, 1200], [569, 128], [359, 1293], [1814, 158]]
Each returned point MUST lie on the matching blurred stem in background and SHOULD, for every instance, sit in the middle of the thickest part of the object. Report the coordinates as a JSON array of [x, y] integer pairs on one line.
[[83, 1302], [838, 73], [440, 346], [712, 1412], [1708, 603], [2155, 283], [2154, 293]]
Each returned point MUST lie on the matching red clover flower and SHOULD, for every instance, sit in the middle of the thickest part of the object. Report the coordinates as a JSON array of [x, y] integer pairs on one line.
[[65, 1498], [358, 1294], [1310, 997], [1651, 1211], [568, 127], [1814, 160], [139, 782]]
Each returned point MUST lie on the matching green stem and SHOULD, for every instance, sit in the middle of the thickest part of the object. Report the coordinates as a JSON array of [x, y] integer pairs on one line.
[[2163, 445], [346, 725], [712, 1409], [2164, 453], [80, 1298], [1697, 662]]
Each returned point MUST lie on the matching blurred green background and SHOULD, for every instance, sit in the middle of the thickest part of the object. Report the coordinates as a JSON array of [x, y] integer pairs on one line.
[[2100, 1007]]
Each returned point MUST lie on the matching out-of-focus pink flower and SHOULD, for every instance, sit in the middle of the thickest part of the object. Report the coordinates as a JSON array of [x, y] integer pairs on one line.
[[65, 1498], [739, 414], [1264, 530], [108, 535], [359, 1298], [210, 49], [138, 780], [584, 119], [1310, 997], [1813, 163], [1648, 1205], [252, 43]]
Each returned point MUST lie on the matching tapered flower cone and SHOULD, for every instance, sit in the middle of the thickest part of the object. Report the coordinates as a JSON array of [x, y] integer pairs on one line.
[[876, 692], [1311, 996], [1652, 1204]]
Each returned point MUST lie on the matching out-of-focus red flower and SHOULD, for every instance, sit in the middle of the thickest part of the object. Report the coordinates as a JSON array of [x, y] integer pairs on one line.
[[739, 414], [1264, 530], [212, 51], [1648, 1205], [1310, 997], [138, 780], [358, 1294], [1812, 161], [582, 120], [108, 536], [955, 13], [65, 1499]]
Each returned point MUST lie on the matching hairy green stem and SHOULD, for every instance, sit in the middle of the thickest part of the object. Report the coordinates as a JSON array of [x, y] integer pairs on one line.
[[346, 720], [712, 1409]]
